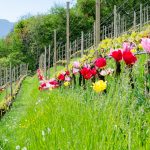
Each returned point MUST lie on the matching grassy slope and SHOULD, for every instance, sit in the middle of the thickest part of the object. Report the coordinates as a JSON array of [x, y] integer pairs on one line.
[[77, 119]]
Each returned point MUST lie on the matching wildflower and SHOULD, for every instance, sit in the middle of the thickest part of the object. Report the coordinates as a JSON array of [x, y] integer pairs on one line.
[[117, 55], [129, 58], [43, 133], [146, 44], [24, 148], [48, 130], [66, 83], [100, 63], [17, 147], [99, 86]]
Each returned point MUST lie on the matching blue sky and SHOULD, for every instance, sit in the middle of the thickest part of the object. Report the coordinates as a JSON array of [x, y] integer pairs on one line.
[[12, 10]]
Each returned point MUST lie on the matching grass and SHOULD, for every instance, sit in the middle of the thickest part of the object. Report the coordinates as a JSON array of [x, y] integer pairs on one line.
[[73, 118]]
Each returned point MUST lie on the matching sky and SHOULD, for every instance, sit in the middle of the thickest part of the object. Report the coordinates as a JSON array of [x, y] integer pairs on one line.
[[12, 10]]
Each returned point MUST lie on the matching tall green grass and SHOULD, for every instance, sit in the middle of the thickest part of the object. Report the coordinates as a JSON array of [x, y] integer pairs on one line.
[[74, 118]]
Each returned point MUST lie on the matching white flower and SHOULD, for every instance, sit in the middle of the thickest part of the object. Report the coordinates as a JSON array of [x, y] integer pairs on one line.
[[103, 73], [48, 130], [24, 148], [43, 133], [6, 140], [17, 147], [63, 130]]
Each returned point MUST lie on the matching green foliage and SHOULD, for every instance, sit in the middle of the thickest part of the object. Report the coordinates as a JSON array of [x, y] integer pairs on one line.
[[73, 118]]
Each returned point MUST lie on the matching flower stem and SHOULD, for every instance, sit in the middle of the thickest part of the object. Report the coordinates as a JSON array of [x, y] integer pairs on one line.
[[118, 68]]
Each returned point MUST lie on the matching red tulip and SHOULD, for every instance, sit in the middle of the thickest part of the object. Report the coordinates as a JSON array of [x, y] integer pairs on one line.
[[100, 63], [61, 77], [43, 85], [129, 58], [117, 55], [93, 71], [86, 73], [41, 77], [67, 73], [53, 82]]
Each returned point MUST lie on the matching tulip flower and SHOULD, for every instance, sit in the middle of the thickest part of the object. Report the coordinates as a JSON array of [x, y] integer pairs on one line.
[[93, 71], [61, 77], [129, 58], [67, 73], [76, 64], [117, 55], [67, 78], [146, 44], [86, 73], [100, 63], [75, 70], [127, 46], [99, 86], [66, 83]]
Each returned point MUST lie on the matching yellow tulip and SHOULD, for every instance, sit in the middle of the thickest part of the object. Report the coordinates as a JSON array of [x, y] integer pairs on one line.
[[66, 83], [99, 86]]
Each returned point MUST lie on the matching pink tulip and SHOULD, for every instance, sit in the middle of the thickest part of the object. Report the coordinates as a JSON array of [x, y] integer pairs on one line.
[[127, 46], [75, 70], [146, 44], [76, 64]]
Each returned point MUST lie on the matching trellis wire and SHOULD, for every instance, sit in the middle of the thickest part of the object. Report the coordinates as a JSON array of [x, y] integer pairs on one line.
[[117, 23]]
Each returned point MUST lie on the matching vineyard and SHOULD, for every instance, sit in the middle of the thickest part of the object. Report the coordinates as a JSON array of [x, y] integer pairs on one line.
[[90, 93]]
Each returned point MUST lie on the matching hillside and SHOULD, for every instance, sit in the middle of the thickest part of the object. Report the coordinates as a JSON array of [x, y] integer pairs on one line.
[[5, 27]]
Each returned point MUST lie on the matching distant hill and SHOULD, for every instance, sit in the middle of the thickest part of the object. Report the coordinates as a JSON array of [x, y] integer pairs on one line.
[[5, 27]]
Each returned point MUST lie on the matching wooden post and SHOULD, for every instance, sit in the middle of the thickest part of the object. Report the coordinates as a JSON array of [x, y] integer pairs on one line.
[[141, 17], [97, 24], [82, 44], [70, 52], [14, 74], [134, 23], [119, 25], [20, 70], [147, 14], [67, 34], [0, 77], [76, 48], [11, 84], [115, 21], [55, 66], [105, 32], [17, 73], [49, 60], [6, 80], [27, 67], [94, 35], [45, 70]]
